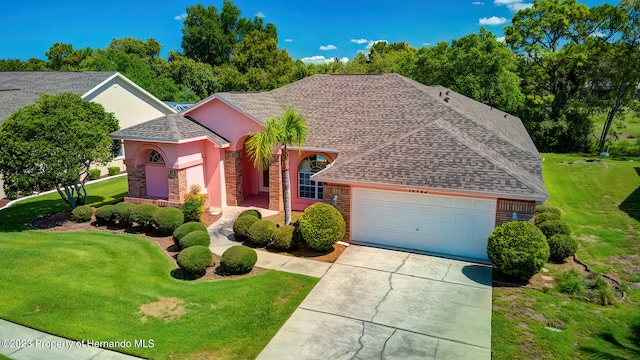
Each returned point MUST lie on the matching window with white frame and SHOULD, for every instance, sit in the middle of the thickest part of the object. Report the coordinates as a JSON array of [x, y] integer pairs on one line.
[[308, 188], [154, 157]]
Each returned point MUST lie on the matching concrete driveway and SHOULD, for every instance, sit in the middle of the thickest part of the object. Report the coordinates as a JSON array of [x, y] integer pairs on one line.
[[375, 303]]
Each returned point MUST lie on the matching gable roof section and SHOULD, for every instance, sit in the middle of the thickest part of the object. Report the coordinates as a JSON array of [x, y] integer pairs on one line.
[[172, 128], [21, 88]]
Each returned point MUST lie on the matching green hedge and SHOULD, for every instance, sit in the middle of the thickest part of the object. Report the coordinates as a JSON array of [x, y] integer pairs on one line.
[[123, 213], [142, 214], [238, 260], [242, 225], [104, 214], [548, 209], [194, 238], [251, 212], [185, 229], [193, 207], [321, 226], [546, 216], [94, 174], [261, 232], [194, 260], [81, 213], [561, 247], [167, 219], [518, 249], [554, 227], [113, 170], [284, 237]]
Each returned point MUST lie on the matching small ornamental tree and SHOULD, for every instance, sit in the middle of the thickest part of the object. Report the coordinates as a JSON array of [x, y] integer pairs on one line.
[[52, 143]]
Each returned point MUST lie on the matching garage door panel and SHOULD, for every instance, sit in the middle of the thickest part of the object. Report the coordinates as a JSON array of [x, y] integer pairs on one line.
[[435, 223]]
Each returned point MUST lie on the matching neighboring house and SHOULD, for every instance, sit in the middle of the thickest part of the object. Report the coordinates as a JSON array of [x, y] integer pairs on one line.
[[408, 165], [127, 101]]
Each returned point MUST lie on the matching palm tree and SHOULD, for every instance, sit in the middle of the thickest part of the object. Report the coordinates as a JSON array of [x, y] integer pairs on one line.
[[290, 129]]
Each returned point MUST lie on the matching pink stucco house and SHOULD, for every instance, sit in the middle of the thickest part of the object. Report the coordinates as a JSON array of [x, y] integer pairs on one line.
[[408, 165]]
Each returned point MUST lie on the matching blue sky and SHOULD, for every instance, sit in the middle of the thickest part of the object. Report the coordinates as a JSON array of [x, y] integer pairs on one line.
[[312, 31]]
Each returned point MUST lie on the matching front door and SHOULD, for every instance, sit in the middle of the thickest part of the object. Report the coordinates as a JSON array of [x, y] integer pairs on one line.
[[264, 181]]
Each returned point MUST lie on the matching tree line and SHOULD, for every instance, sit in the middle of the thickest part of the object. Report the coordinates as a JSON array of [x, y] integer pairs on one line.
[[561, 62]]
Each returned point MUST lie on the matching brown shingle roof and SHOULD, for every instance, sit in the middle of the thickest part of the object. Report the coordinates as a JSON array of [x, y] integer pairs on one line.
[[173, 128], [391, 130], [21, 88]]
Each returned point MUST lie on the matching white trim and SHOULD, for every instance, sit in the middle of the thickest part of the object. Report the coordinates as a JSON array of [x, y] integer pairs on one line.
[[54, 190], [133, 85]]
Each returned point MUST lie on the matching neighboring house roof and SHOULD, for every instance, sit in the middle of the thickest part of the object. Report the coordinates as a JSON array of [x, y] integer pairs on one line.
[[393, 131], [21, 88], [172, 128]]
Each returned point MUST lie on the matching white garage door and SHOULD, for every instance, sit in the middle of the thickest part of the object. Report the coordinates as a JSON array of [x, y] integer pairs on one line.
[[450, 225]]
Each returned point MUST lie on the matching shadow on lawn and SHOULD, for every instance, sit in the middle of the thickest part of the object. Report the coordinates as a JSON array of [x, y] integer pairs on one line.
[[630, 345], [631, 205]]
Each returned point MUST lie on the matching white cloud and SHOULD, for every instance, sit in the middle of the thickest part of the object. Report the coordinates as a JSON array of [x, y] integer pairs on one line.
[[494, 20], [478, 3], [180, 17], [288, 40], [359, 41], [501, 39], [426, 44], [328, 47], [319, 59], [373, 42], [260, 14], [513, 5]]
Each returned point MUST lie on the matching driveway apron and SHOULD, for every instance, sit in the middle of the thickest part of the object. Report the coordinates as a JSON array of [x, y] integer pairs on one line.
[[376, 303]]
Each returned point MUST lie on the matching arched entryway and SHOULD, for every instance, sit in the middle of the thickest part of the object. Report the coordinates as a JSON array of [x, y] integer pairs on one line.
[[155, 169]]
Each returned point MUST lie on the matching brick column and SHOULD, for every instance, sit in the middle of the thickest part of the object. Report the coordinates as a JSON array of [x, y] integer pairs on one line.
[[275, 184], [177, 184], [233, 177], [137, 181], [343, 205]]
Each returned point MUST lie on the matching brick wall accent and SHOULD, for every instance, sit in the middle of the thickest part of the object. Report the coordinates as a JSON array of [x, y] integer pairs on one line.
[[275, 184], [159, 202], [137, 181], [177, 184], [343, 205], [506, 208], [233, 177]]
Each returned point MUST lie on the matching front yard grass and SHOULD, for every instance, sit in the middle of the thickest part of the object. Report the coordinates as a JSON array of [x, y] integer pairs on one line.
[[94, 286], [601, 203], [101, 193]]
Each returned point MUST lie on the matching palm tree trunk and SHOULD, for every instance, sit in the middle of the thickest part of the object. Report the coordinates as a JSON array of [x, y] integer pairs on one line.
[[286, 185]]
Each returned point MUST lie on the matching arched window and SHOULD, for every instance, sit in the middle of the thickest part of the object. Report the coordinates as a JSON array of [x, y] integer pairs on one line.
[[308, 188], [154, 157]]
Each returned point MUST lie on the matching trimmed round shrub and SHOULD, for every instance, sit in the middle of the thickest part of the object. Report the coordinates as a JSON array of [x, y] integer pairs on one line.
[[194, 260], [194, 238], [561, 247], [142, 214], [238, 260], [321, 226], [261, 232], [548, 209], [185, 229], [123, 212], [104, 214], [554, 227], [242, 225], [518, 249], [283, 237], [167, 219], [81, 213], [251, 212], [546, 216]]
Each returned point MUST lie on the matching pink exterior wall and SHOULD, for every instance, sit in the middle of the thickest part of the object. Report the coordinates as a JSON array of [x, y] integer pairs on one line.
[[195, 176], [214, 175], [225, 121], [251, 177], [295, 158], [157, 180]]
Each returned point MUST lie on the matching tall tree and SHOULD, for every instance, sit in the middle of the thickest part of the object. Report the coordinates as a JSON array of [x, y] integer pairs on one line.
[[52, 143], [63, 57], [290, 129]]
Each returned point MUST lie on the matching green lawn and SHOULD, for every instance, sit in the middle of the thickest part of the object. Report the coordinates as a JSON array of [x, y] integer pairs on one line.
[[93, 285], [630, 119], [19, 214], [601, 204]]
